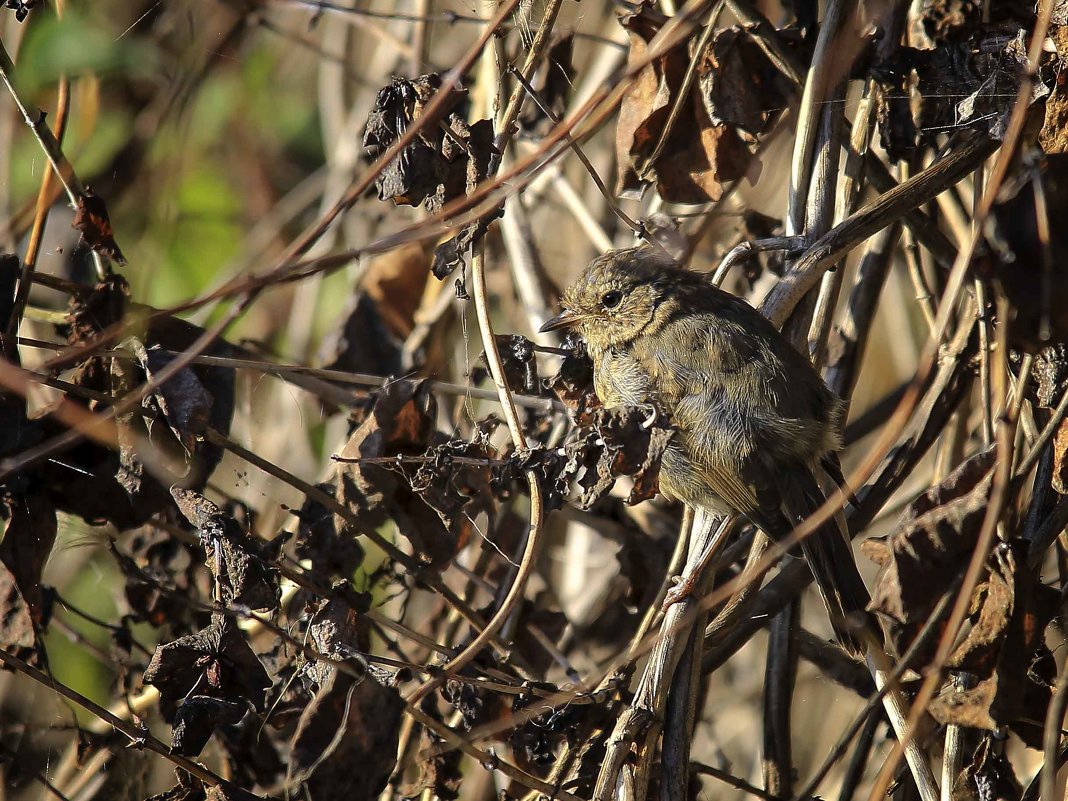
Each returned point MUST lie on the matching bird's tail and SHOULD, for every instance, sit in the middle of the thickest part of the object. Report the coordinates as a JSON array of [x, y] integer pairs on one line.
[[830, 558]]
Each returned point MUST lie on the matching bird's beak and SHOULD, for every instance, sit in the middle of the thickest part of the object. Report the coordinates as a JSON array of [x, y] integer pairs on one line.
[[564, 319]]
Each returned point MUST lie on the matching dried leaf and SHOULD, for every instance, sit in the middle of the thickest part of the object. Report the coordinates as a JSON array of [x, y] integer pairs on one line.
[[91, 219], [987, 776], [1022, 265], [345, 745], [934, 538], [439, 770], [197, 718], [573, 382], [700, 153], [520, 366], [624, 441], [554, 80], [216, 660], [1053, 138], [236, 558], [29, 534], [446, 161], [400, 423], [1010, 612]]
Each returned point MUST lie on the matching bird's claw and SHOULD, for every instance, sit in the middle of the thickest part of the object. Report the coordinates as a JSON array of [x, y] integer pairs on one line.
[[683, 589]]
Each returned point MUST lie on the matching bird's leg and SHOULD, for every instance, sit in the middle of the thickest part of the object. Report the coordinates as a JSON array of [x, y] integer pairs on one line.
[[707, 534]]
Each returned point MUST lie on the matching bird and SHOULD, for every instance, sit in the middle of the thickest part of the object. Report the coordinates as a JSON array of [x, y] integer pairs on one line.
[[756, 425]]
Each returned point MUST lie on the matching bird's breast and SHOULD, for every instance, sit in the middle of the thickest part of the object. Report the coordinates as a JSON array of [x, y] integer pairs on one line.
[[620, 379]]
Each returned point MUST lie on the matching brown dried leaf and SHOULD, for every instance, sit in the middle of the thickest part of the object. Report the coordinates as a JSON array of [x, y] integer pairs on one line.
[[573, 382], [91, 219], [236, 558], [29, 534], [934, 538], [988, 776], [439, 770], [520, 366], [554, 80], [1053, 138], [1010, 612], [197, 718], [396, 281], [345, 745], [688, 168], [624, 441], [400, 423], [1021, 264], [446, 161], [1060, 459], [217, 661]]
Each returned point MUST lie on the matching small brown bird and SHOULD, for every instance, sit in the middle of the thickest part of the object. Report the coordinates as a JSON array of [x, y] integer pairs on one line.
[[756, 423]]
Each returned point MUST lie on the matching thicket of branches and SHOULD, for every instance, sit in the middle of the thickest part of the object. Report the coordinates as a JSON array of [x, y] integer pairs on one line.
[[296, 504]]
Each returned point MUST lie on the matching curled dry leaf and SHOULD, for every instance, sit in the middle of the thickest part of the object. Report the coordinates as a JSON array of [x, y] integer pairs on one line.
[[92, 221], [345, 745], [29, 532], [1009, 612], [573, 382], [1004, 652], [236, 558], [215, 662], [439, 770], [370, 338], [1023, 264], [624, 441], [400, 423], [987, 775], [706, 146], [197, 718], [553, 82], [1053, 138], [931, 543], [445, 161], [520, 366]]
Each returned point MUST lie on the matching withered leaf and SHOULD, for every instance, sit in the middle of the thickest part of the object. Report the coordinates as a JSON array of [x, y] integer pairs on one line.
[[1022, 265], [439, 770], [1010, 612], [217, 661], [691, 162], [445, 161], [520, 366], [623, 441], [573, 382], [91, 219], [345, 745], [197, 717], [29, 523], [235, 557], [184, 401], [934, 538], [332, 551], [554, 80], [987, 776], [1053, 138], [400, 423]]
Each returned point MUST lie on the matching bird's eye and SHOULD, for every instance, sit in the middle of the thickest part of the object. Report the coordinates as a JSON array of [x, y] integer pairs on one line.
[[611, 299]]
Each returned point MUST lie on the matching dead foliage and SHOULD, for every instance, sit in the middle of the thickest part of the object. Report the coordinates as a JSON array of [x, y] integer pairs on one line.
[[273, 569]]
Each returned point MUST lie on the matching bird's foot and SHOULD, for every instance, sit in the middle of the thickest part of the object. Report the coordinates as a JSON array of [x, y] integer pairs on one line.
[[685, 587]]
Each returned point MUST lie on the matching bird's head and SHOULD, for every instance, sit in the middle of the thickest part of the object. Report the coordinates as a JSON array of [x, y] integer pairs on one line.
[[617, 296]]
